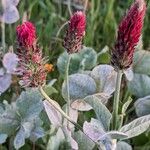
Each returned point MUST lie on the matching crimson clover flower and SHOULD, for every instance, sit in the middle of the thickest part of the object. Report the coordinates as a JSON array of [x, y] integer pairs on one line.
[[75, 32], [129, 33], [31, 61], [26, 34]]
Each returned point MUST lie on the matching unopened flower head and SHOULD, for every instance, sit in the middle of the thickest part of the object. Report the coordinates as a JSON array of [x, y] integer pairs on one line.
[[75, 32], [129, 33], [26, 34], [31, 62]]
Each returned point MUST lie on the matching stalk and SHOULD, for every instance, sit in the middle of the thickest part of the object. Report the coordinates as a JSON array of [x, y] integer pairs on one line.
[[3, 35], [121, 121], [69, 7], [67, 83], [116, 99], [52, 102]]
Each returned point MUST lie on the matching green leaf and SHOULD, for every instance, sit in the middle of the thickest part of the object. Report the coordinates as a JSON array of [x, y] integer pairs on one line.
[[105, 78], [70, 141], [19, 140], [80, 86], [140, 85], [1, 108], [102, 113], [27, 126], [123, 146], [54, 116], [142, 106], [89, 58], [136, 127], [81, 105], [3, 138], [114, 135], [94, 129], [49, 90], [84, 60], [83, 141], [5, 82], [126, 105], [56, 140], [141, 61], [29, 104], [22, 117], [37, 133], [9, 120], [129, 74], [73, 66]]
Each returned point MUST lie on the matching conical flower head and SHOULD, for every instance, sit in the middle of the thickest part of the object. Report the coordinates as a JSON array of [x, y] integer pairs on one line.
[[129, 33], [26, 34], [31, 62], [75, 32]]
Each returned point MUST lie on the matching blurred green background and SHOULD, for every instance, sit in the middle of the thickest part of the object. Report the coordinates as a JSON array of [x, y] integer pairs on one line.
[[103, 17]]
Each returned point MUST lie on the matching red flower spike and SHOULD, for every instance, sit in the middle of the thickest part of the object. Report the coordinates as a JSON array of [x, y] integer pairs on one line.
[[31, 62], [75, 32], [26, 34], [129, 33]]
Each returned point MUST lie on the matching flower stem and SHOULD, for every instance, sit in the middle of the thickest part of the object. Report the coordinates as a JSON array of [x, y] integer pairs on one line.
[[57, 35], [69, 7], [116, 100], [52, 102], [67, 83], [3, 35]]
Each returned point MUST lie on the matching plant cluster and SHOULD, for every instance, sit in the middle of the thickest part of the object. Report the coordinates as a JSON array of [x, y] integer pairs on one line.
[[97, 111]]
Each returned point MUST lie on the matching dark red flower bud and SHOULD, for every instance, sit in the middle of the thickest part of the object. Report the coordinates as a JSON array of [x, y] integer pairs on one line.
[[26, 34], [75, 32], [129, 33]]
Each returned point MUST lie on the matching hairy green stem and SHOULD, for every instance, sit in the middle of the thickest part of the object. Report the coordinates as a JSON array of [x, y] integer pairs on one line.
[[69, 7], [67, 83], [121, 121], [3, 35], [52, 102], [57, 35], [116, 100]]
